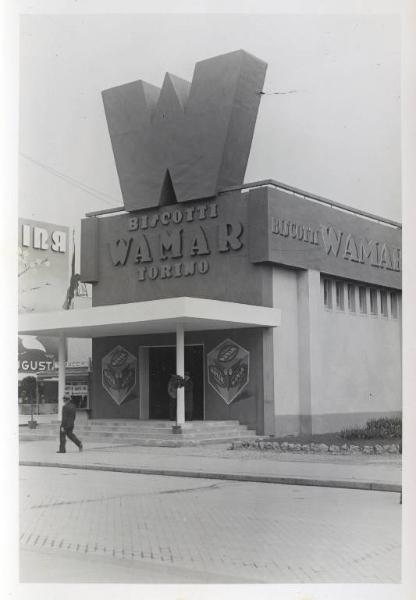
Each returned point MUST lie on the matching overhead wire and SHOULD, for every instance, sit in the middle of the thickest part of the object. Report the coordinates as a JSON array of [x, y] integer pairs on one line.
[[104, 197]]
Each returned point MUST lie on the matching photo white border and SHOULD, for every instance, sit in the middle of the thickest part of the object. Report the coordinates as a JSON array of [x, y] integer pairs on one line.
[[10, 99]]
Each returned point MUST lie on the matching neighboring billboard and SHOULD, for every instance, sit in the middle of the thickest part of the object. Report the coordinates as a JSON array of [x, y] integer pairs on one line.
[[37, 354], [43, 275], [43, 266]]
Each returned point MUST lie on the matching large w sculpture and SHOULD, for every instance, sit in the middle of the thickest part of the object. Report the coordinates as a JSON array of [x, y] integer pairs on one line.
[[186, 141]]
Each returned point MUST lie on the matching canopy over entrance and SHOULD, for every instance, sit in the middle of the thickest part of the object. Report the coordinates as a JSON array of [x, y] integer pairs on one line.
[[156, 316]]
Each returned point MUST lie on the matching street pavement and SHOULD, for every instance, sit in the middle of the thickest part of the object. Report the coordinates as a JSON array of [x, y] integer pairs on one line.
[[92, 526]]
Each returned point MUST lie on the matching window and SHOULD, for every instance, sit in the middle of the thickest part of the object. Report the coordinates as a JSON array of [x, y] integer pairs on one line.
[[383, 303], [339, 295], [373, 301], [394, 305], [328, 293], [362, 296], [351, 297]]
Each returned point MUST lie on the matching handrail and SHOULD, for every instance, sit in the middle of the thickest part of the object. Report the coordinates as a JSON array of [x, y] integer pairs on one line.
[[309, 196], [286, 188], [105, 211]]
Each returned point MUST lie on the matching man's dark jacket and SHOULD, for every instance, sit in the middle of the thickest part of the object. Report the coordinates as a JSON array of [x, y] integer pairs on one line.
[[68, 415]]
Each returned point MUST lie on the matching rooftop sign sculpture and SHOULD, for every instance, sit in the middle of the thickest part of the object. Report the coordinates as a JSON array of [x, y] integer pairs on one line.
[[185, 141]]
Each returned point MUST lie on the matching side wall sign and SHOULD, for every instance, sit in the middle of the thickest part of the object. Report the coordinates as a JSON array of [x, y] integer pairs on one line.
[[299, 233]]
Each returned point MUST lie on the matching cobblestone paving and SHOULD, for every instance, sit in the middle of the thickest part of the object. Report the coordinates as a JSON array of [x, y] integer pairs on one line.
[[259, 532]]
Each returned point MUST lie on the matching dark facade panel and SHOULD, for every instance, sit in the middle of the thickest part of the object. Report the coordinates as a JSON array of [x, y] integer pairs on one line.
[[199, 250], [244, 407], [294, 232]]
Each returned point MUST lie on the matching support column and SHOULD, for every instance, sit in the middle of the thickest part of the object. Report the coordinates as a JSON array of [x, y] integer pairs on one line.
[[61, 374], [265, 408], [309, 311], [180, 370]]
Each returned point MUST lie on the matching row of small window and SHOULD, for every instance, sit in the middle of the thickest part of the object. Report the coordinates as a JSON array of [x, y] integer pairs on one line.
[[369, 300]]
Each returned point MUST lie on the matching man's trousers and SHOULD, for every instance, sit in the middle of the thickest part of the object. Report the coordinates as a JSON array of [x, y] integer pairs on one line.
[[63, 433]]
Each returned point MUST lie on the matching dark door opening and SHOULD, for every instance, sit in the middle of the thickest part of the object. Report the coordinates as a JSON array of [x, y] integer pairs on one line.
[[162, 364]]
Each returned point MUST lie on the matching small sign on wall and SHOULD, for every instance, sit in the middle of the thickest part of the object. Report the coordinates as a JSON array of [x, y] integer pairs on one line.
[[119, 373], [228, 369], [77, 389]]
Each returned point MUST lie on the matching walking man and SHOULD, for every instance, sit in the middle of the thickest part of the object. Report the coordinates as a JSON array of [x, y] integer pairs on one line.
[[67, 425]]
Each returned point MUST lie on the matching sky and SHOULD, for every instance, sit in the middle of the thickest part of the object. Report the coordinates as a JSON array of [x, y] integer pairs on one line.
[[333, 129]]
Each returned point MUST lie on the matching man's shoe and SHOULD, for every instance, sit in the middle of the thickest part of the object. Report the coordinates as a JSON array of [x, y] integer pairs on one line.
[[81, 448], [60, 451]]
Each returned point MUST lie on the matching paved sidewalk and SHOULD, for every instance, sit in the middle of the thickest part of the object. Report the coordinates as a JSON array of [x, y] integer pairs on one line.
[[381, 473], [24, 419]]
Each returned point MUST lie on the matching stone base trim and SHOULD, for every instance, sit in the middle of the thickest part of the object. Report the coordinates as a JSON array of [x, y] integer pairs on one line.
[[313, 447]]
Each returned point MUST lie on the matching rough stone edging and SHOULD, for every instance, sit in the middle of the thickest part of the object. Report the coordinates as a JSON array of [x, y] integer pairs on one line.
[[315, 448]]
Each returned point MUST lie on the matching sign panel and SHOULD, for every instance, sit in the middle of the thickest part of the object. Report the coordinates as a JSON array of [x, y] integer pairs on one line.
[[43, 275], [228, 369], [189, 139], [43, 266], [197, 249], [77, 389], [119, 370], [36, 354], [291, 231]]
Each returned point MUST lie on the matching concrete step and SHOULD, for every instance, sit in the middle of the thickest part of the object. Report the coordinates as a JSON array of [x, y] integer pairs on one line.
[[152, 435], [174, 440], [139, 430], [168, 435], [165, 424], [146, 433], [144, 426], [187, 428], [157, 430], [87, 434]]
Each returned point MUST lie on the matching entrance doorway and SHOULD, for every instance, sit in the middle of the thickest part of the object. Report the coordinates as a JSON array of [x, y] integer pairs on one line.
[[162, 364]]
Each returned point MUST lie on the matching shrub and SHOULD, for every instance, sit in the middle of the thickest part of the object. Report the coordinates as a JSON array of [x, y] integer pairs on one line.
[[384, 428]]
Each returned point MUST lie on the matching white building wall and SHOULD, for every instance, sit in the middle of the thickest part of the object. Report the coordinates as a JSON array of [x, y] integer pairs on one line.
[[362, 358], [285, 338], [333, 368], [79, 350]]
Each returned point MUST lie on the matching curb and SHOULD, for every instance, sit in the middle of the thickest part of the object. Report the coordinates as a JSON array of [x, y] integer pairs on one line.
[[335, 483]]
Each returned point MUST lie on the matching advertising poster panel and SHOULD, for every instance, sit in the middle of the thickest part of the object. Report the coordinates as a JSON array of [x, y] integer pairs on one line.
[[43, 275]]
